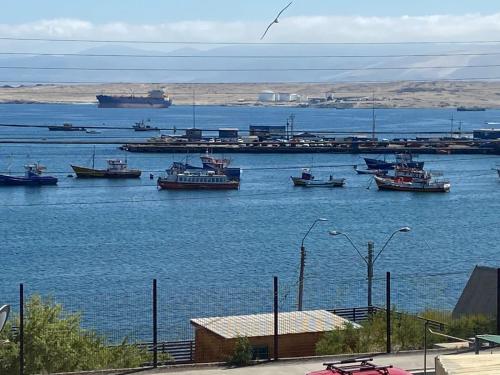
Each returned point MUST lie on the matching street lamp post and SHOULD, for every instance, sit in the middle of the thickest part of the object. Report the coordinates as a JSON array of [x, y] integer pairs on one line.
[[370, 259], [303, 263]]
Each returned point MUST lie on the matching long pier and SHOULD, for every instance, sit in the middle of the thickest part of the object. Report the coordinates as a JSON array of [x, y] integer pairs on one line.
[[365, 147]]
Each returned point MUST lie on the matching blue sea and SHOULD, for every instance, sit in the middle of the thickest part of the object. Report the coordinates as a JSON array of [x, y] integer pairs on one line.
[[96, 245]]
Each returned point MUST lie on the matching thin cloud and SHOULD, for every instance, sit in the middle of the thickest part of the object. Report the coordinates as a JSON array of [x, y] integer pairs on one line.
[[292, 29]]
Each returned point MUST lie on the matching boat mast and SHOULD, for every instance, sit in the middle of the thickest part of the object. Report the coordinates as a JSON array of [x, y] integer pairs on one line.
[[194, 110], [373, 115], [451, 128]]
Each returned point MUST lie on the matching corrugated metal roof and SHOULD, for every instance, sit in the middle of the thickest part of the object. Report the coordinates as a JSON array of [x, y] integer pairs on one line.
[[468, 364], [263, 324]]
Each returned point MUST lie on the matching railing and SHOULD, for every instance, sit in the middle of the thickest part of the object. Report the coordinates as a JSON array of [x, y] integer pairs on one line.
[[180, 351], [357, 314]]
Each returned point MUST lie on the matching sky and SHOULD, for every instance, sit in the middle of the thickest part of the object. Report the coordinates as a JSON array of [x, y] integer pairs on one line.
[[158, 11], [244, 21]]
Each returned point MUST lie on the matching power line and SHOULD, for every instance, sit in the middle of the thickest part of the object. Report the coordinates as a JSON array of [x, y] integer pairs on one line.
[[249, 69], [303, 56], [331, 82], [76, 40]]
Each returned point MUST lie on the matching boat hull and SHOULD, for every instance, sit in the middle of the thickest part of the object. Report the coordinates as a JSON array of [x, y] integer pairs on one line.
[[82, 172], [389, 184], [108, 101], [383, 165], [339, 182], [175, 185], [24, 181]]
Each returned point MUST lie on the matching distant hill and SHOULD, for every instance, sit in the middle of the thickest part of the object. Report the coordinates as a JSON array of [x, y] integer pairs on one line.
[[302, 61]]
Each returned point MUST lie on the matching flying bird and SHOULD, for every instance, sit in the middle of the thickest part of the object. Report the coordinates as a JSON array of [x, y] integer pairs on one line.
[[275, 20]]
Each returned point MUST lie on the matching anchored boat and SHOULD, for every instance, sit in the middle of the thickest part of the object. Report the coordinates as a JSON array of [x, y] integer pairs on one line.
[[412, 179], [116, 169], [66, 127], [210, 163], [202, 180], [32, 177], [142, 127], [307, 180], [401, 159]]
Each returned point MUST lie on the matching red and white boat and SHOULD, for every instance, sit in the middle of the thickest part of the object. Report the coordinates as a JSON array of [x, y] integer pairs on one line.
[[203, 180], [412, 179]]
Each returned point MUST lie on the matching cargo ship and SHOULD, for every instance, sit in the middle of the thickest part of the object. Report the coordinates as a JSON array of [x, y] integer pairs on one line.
[[154, 99]]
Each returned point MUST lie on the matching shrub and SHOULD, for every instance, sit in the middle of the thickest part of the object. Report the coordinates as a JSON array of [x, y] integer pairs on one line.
[[54, 341], [242, 354]]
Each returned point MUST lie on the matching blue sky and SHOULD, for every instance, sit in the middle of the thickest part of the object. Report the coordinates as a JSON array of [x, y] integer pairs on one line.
[[156, 11]]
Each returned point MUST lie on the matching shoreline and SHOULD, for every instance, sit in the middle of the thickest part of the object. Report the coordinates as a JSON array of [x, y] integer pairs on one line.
[[404, 94]]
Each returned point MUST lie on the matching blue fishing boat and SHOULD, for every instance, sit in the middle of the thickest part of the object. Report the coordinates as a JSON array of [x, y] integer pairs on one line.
[[32, 177], [401, 159]]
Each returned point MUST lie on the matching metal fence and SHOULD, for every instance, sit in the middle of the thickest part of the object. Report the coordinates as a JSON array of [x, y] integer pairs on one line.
[[163, 326]]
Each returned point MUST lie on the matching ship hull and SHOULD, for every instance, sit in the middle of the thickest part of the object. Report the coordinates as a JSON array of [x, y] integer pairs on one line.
[[106, 101], [24, 181], [82, 172], [389, 184]]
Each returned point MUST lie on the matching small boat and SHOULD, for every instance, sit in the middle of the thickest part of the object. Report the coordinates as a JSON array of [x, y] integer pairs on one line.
[[66, 127], [401, 159], [304, 177], [307, 179], [32, 177], [92, 131], [332, 182], [412, 180], [116, 169], [142, 127], [203, 180]]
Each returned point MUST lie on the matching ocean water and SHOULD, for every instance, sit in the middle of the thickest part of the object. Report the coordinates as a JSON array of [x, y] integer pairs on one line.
[[96, 245]]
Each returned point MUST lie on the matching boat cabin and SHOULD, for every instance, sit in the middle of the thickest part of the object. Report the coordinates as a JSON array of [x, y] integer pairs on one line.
[[117, 165]]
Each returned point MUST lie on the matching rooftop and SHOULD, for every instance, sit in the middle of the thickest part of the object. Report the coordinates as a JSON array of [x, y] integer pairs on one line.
[[258, 325]]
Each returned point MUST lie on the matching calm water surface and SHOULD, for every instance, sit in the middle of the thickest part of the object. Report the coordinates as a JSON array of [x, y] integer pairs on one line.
[[89, 241]]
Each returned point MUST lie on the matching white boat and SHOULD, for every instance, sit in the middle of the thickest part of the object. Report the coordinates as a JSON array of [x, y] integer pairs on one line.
[[332, 182]]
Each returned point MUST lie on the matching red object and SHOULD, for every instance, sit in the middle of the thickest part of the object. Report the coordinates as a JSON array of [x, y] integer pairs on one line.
[[358, 367]]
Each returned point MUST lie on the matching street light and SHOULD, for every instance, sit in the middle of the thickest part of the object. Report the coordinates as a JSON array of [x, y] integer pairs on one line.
[[303, 263], [370, 260]]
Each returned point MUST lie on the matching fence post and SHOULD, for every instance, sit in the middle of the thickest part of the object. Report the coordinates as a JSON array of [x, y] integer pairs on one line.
[[155, 325], [498, 301], [21, 329], [388, 311], [276, 343]]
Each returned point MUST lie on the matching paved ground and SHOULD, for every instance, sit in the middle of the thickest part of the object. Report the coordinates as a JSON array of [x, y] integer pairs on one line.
[[408, 361]]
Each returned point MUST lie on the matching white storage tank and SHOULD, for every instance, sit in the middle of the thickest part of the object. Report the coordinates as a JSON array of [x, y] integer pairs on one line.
[[267, 96]]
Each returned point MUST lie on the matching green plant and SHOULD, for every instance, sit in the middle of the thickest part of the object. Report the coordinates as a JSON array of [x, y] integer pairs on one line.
[[242, 353], [54, 341], [407, 332]]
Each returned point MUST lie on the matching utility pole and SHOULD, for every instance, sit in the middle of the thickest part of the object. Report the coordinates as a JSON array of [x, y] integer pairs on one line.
[[370, 259], [303, 264], [369, 263], [301, 276]]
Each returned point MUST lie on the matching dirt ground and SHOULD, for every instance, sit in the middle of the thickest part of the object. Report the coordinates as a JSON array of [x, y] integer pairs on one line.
[[440, 94]]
